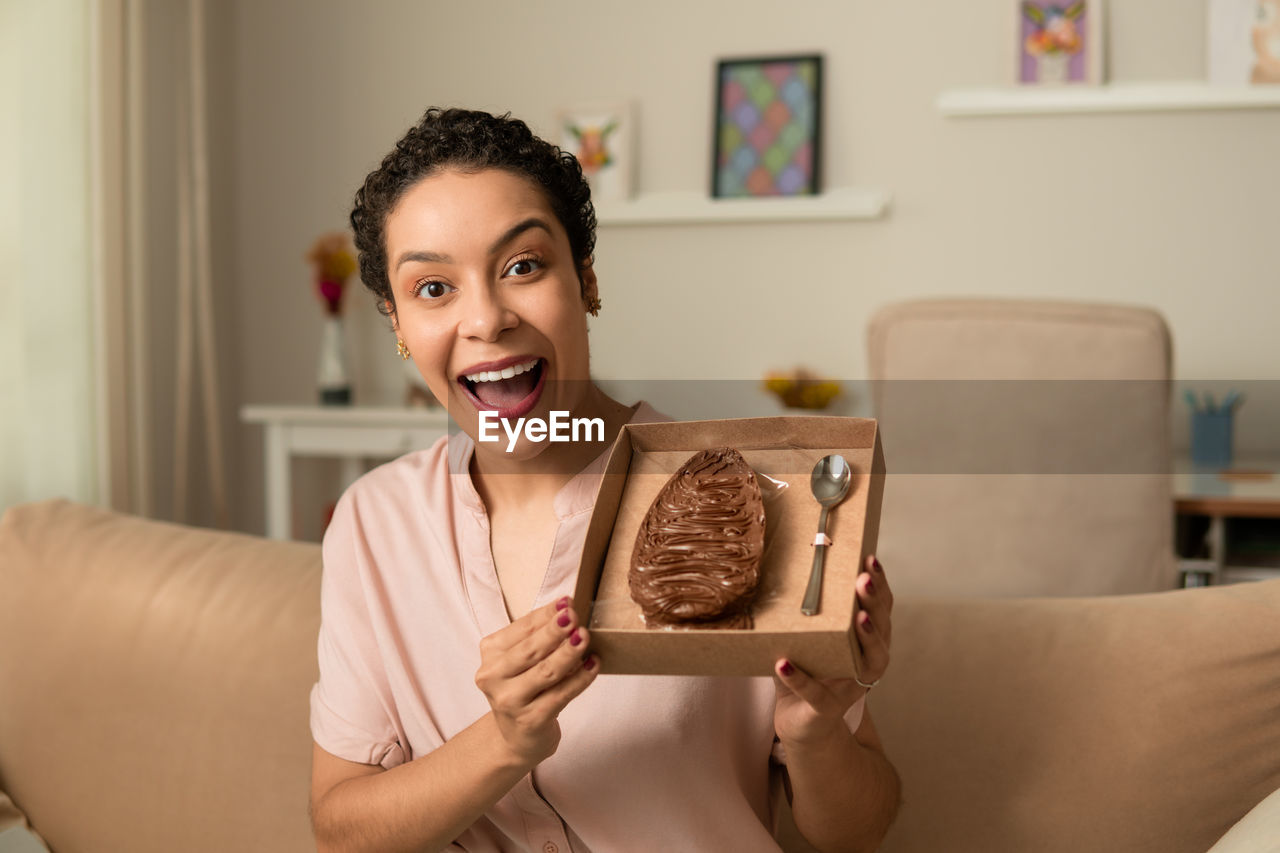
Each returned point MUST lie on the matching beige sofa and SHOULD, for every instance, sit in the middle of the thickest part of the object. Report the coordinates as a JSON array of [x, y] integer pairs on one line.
[[154, 683], [1028, 442]]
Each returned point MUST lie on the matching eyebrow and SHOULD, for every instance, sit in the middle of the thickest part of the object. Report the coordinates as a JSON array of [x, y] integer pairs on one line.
[[510, 234]]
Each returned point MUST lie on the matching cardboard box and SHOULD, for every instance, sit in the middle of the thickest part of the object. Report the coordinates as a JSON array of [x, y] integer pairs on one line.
[[782, 449]]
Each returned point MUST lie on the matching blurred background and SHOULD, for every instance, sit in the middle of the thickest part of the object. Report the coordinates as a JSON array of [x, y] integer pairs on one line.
[[123, 118]]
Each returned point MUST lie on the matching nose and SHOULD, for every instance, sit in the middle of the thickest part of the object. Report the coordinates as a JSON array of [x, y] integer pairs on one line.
[[486, 315]]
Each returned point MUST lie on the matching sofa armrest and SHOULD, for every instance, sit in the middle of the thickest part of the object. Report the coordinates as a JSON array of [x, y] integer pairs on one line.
[[1256, 832]]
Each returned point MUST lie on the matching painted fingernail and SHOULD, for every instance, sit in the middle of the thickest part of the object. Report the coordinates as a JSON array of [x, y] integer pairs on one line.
[[563, 619], [875, 563], [871, 587], [575, 638], [786, 668], [562, 603], [866, 623], [590, 664]]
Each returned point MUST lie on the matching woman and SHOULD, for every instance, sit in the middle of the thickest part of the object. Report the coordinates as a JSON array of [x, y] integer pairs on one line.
[[457, 702]]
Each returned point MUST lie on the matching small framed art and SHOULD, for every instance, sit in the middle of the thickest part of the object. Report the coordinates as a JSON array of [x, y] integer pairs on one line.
[[1244, 42], [1059, 41], [602, 137], [768, 127]]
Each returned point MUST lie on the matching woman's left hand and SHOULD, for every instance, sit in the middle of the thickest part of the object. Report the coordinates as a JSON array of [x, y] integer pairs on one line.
[[809, 709]]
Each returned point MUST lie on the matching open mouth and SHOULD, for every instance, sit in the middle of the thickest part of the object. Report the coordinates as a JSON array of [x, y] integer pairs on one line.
[[510, 392]]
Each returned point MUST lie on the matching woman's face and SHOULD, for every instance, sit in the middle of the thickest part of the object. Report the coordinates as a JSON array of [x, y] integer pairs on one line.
[[488, 298]]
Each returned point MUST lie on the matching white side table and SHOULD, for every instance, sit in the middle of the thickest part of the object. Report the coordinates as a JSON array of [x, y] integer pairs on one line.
[[349, 433]]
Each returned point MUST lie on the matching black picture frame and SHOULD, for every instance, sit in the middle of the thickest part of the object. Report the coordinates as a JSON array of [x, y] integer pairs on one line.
[[732, 174]]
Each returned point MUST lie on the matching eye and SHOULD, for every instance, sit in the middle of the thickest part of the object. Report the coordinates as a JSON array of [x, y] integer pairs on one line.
[[524, 266], [432, 289]]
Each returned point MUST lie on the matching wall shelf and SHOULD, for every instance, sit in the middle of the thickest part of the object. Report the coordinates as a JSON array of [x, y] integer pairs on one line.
[[1111, 98], [677, 208]]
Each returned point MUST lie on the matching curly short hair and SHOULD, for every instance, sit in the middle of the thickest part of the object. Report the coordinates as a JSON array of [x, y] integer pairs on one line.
[[470, 141]]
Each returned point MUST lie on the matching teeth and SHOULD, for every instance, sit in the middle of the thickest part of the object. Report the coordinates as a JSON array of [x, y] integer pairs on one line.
[[505, 373]]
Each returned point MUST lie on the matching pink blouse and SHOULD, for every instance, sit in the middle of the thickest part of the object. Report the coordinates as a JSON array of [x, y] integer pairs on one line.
[[409, 589]]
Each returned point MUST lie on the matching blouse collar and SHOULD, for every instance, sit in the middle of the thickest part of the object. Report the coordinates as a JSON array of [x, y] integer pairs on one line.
[[578, 495]]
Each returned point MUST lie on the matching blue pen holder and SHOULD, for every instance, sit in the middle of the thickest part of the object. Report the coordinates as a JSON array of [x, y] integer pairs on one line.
[[1211, 435]]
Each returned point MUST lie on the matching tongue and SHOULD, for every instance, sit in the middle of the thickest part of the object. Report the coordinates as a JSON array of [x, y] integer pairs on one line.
[[505, 393]]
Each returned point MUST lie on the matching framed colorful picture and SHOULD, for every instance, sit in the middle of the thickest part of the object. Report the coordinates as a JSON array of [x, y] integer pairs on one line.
[[602, 137], [1059, 41], [1244, 42], [768, 127]]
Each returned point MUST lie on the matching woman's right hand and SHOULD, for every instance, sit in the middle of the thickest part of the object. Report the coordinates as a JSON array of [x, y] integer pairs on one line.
[[529, 671]]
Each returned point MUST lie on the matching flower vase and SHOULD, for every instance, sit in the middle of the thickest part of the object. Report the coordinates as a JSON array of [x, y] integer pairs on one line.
[[333, 377], [1054, 69]]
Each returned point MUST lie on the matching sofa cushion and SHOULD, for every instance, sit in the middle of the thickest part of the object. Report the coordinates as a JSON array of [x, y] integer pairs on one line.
[[1127, 723], [155, 682], [1257, 832]]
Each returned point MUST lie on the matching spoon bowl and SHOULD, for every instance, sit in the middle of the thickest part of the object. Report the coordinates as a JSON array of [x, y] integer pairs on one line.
[[830, 480]]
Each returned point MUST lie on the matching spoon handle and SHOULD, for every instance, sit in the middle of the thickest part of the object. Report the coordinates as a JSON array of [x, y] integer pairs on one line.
[[813, 592]]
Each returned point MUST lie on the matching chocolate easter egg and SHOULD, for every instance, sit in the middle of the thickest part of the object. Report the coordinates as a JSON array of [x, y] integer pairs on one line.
[[696, 561]]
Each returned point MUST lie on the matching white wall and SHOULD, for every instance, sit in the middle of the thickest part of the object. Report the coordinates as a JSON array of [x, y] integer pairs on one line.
[[1170, 210], [47, 414]]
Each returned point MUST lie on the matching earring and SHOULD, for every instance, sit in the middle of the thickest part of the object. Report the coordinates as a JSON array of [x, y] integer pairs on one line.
[[593, 306], [402, 349]]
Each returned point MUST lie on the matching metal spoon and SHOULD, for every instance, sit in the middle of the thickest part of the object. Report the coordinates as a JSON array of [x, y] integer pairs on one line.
[[830, 483]]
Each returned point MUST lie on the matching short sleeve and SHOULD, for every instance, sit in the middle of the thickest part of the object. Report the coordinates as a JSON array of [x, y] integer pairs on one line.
[[350, 701]]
